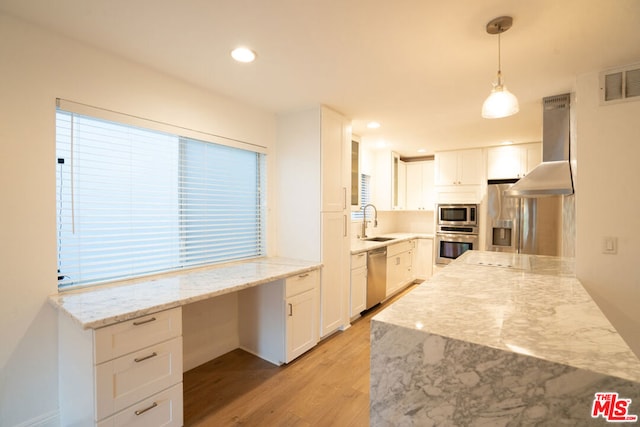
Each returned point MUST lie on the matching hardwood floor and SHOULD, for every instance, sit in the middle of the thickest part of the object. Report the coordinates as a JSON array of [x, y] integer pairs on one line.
[[327, 386]]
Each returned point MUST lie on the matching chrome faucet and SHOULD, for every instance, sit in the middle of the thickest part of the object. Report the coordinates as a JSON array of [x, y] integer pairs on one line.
[[364, 219]]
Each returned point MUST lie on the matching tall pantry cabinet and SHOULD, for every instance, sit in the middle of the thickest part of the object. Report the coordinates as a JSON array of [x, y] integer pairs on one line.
[[314, 192]]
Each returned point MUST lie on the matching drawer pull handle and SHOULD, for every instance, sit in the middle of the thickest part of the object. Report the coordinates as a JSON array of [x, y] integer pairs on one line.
[[290, 309], [142, 322], [142, 411], [140, 359], [302, 276]]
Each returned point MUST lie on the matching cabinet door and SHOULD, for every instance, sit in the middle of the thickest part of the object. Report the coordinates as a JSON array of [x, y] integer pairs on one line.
[[447, 168], [334, 283], [333, 147], [301, 323], [358, 291], [428, 190], [504, 162], [402, 186], [533, 153], [470, 167], [414, 186], [423, 265]]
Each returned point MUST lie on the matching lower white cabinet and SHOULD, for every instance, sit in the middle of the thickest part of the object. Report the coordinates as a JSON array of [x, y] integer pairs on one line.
[[423, 259], [399, 266], [129, 373], [161, 410], [278, 321], [358, 284]]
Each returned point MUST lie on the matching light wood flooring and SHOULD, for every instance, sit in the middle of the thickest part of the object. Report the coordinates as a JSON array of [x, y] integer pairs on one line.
[[327, 386]]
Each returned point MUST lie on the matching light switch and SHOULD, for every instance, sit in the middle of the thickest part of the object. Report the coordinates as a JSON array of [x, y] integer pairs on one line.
[[610, 245]]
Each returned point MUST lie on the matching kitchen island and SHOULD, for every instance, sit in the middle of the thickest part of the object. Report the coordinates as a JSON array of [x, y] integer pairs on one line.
[[498, 339]]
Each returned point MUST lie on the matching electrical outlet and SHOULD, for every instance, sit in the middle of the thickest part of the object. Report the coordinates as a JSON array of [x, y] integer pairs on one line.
[[610, 245]]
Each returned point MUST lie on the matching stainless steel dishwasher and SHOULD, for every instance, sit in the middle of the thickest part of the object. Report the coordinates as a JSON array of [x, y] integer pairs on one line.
[[376, 276]]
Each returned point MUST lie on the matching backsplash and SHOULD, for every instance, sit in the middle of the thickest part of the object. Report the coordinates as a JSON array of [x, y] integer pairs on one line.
[[396, 222]]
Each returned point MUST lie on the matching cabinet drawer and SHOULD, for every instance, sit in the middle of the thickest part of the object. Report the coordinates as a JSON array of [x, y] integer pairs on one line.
[[358, 260], [162, 410], [300, 283], [122, 338], [128, 379], [397, 248]]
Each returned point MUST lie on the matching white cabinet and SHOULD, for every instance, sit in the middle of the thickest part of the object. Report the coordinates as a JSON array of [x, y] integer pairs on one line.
[[302, 318], [278, 321], [313, 192], [335, 161], [129, 373], [399, 266], [512, 161], [459, 176], [401, 186], [389, 182], [462, 167], [423, 259], [358, 284], [420, 185]]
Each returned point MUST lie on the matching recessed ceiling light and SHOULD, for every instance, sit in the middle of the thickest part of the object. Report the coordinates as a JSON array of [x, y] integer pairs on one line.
[[373, 125], [506, 143], [422, 150], [243, 54]]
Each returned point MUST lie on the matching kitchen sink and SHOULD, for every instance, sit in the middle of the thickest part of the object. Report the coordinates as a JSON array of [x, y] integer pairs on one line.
[[379, 239]]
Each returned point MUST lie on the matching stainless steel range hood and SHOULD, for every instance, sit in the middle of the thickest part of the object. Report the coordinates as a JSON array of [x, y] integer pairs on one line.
[[553, 176]]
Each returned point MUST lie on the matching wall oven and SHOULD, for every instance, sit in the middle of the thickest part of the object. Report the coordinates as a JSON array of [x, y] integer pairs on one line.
[[456, 231]]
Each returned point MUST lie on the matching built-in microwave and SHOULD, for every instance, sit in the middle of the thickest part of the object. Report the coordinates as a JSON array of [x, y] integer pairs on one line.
[[463, 214]]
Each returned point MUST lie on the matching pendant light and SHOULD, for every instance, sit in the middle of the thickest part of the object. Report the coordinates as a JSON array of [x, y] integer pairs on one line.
[[501, 102]]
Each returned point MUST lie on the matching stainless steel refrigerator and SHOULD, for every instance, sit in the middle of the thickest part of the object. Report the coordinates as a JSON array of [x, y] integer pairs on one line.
[[523, 225]]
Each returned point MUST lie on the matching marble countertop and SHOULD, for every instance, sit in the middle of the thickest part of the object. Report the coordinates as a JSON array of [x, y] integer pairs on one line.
[[526, 304], [359, 246], [104, 305]]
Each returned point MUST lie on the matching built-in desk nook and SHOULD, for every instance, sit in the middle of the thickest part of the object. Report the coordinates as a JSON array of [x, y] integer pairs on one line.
[[121, 346]]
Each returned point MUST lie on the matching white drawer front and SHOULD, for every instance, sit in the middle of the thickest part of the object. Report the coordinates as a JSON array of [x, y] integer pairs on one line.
[[128, 379], [397, 248], [162, 410], [301, 282], [358, 260], [122, 338]]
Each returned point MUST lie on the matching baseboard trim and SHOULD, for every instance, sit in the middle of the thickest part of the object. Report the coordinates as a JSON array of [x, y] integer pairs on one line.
[[51, 419]]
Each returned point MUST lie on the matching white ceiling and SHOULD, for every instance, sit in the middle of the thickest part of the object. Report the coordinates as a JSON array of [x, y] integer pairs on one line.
[[422, 68]]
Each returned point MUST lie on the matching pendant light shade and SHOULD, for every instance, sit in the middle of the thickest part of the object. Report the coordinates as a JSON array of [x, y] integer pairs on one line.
[[501, 102]]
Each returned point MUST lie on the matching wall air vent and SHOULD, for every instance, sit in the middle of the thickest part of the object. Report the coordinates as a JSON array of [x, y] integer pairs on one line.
[[620, 84]]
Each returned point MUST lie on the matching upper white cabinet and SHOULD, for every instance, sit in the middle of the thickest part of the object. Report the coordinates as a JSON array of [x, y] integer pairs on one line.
[[512, 161], [313, 169], [420, 185], [459, 176], [462, 167], [389, 181], [335, 148]]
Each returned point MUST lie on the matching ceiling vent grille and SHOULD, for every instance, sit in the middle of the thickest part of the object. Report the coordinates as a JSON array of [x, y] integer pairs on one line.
[[621, 84]]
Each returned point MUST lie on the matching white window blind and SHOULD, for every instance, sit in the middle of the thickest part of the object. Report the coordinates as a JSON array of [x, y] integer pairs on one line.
[[365, 195], [134, 201]]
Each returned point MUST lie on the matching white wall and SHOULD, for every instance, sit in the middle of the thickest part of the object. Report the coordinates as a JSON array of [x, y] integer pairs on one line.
[[37, 67], [607, 204]]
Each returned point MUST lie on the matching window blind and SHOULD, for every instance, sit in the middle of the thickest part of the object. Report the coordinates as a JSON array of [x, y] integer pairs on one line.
[[133, 201], [365, 195]]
